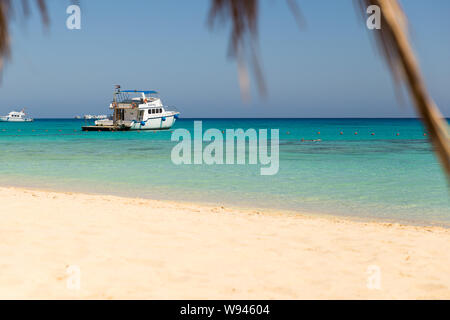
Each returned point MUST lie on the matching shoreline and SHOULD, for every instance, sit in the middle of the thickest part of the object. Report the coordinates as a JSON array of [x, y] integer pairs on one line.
[[130, 248], [247, 208]]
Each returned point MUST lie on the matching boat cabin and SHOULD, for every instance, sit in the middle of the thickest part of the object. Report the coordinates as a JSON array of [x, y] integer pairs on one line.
[[134, 105]]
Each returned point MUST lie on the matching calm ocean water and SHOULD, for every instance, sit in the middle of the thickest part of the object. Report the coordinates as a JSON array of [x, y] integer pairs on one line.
[[377, 176]]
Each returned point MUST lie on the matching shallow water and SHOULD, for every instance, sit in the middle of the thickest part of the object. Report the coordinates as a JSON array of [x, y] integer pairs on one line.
[[387, 176]]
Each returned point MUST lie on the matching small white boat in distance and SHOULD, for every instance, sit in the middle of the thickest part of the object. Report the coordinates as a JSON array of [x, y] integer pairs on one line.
[[15, 116], [95, 117], [136, 110]]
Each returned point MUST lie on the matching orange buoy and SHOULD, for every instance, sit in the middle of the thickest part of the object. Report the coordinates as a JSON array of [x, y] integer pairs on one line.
[[424, 134], [318, 132], [341, 133], [398, 134], [372, 134], [356, 133]]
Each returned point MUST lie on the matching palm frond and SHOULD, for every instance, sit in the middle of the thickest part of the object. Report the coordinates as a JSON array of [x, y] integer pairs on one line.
[[243, 15], [394, 44], [243, 39], [6, 14], [4, 30]]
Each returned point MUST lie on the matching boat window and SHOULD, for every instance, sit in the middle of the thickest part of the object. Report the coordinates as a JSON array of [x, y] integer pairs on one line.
[[160, 110]]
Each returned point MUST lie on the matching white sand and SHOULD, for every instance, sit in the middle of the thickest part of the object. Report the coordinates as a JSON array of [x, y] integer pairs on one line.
[[133, 248]]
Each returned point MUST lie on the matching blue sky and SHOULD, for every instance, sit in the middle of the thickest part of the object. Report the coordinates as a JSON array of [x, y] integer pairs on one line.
[[329, 69]]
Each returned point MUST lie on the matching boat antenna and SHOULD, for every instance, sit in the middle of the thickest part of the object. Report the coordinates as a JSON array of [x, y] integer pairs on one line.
[[116, 91]]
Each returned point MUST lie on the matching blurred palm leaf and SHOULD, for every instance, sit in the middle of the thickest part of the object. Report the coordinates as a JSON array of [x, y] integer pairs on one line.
[[394, 44], [243, 39], [7, 10]]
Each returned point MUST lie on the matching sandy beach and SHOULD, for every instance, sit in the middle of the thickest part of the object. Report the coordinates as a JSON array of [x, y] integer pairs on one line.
[[123, 248]]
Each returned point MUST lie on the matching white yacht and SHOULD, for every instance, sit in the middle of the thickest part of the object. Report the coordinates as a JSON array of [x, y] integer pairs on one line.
[[136, 110], [15, 116]]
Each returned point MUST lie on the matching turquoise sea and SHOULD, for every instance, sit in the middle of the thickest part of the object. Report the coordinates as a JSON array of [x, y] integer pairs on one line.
[[382, 176]]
